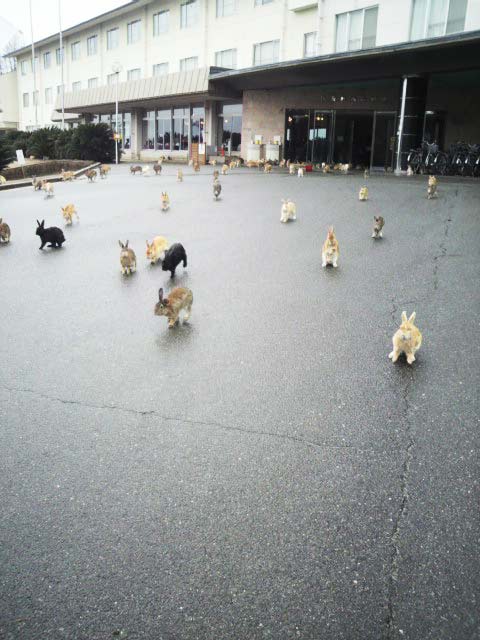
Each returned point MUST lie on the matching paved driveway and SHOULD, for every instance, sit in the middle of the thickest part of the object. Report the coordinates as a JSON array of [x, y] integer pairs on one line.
[[265, 471]]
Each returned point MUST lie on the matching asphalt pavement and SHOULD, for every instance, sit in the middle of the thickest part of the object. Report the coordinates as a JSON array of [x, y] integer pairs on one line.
[[264, 471]]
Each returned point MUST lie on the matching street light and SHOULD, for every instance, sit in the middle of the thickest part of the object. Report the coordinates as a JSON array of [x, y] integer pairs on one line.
[[116, 68]]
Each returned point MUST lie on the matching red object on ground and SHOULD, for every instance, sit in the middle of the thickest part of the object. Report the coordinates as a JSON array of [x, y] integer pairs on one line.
[[222, 151], [309, 168]]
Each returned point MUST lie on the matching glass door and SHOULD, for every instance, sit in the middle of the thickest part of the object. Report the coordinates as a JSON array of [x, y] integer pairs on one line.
[[320, 136], [383, 147]]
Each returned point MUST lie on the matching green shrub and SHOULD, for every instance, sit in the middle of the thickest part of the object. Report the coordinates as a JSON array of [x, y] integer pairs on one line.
[[5, 153], [42, 142], [93, 142], [63, 144]]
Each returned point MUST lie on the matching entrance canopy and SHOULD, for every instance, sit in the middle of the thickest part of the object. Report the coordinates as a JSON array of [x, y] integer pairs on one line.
[[449, 53]]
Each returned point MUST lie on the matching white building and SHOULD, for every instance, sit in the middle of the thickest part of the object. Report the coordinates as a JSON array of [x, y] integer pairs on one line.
[[164, 56]]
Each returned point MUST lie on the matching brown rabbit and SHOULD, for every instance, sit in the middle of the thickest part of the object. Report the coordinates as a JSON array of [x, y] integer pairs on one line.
[[407, 339], [157, 167], [179, 298], [330, 249], [128, 260], [4, 231], [104, 170], [91, 175], [379, 223]]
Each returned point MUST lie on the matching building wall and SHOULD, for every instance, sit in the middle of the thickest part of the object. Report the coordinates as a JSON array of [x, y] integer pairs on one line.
[[284, 20], [8, 101], [264, 112]]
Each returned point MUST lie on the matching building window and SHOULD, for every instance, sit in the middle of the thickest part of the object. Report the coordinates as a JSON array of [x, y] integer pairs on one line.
[[259, 3], [160, 69], [309, 44], [230, 127], [225, 8], [35, 64], [92, 83], [126, 130], [133, 31], [188, 14], [112, 38], [48, 95], [356, 29], [266, 52], [47, 59], [198, 125], [59, 89], [26, 101], [160, 22], [112, 78], [92, 45], [164, 129], [58, 55], [24, 67], [133, 74], [188, 64], [35, 97], [180, 129], [76, 86], [75, 50], [148, 130], [227, 58], [433, 18]]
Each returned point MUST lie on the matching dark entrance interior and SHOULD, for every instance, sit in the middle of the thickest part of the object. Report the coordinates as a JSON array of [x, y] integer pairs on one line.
[[360, 139], [353, 138]]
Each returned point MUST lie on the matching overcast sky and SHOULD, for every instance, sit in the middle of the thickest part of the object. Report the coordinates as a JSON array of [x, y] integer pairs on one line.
[[15, 15]]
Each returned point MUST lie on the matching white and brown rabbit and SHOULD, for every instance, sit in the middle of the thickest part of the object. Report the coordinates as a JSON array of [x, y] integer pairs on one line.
[[128, 260], [288, 211], [165, 201], [217, 189], [378, 224], [301, 172], [224, 169], [407, 339], [432, 191], [48, 188], [330, 249], [363, 194], [68, 211], [179, 175], [4, 231], [409, 170], [178, 299], [432, 181], [156, 249], [267, 168]]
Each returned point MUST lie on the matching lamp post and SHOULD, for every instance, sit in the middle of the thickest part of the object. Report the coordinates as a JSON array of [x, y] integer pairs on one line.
[[116, 68], [61, 60]]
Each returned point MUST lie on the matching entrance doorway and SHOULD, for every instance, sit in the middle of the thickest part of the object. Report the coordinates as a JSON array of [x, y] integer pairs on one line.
[[383, 147], [296, 136], [353, 138]]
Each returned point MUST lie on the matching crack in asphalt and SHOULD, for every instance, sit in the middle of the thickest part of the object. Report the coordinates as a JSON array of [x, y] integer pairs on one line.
[[401, 513], [153, 412], [443, 249]]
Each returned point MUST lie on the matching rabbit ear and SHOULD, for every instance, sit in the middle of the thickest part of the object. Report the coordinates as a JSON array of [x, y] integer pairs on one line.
[[126, 245], [160, 294], [39, 223], [121, 244], [42, 224], [412, 317], [404, 316]]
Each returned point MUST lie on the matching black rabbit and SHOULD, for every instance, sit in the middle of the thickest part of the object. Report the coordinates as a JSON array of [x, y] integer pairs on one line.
[[173, 257], [53, 235]]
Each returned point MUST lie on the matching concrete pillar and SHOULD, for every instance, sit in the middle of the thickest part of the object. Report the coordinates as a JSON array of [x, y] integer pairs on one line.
[[412, 113], [136, 133]]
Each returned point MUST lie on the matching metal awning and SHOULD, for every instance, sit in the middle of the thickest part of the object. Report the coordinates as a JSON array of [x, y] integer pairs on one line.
[[460, 51], [180, 88]]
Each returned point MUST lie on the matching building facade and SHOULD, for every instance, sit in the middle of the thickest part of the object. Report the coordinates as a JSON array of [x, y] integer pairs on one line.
[[186, 73]]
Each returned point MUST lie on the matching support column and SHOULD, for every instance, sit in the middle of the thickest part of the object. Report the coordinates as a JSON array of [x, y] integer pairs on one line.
[[136, 134], [412, 114]]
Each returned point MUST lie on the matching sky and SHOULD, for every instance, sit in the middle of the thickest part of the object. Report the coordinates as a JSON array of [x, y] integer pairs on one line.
[[15, 15]]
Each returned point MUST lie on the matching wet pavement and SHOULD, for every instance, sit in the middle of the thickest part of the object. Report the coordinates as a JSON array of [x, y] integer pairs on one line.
[[264, 471]]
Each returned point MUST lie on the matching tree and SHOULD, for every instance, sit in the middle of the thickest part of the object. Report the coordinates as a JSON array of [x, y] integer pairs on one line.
[[5, 153], [42, 142], [93, 142]]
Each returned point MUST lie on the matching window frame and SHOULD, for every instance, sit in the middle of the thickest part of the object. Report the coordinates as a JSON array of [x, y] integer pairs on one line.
[[93, 38], [259, 44], [24, 67], [74, 88], [59, 53], [314, 34], [115, 30], [134, 72], [222, 14], [158, 32], [47, 55], [95, 84], [234, 50], [130, 31], [428, 7], [262, 3], [160, 64], [26, 99], [188, 3], [48, 95], [74, 44], [183, 60], [349, 13]]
